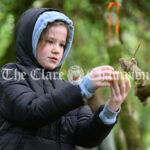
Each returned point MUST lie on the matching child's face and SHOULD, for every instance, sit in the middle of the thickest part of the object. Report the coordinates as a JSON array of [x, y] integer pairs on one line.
[[51, 47]]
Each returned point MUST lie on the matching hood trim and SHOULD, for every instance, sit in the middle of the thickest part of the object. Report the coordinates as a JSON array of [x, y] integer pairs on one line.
[[41, 24]]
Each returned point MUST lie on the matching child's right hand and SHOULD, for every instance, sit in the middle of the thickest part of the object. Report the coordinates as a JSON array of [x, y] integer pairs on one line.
[[100, 76]]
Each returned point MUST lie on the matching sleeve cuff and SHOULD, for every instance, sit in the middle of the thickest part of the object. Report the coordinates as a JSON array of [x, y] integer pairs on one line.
[[87, 87], [108, 116]]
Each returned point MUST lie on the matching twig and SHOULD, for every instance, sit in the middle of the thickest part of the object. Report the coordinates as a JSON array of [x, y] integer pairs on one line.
[[136, 51]]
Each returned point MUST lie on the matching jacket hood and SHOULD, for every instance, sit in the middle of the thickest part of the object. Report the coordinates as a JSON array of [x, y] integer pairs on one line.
[[28, 30]]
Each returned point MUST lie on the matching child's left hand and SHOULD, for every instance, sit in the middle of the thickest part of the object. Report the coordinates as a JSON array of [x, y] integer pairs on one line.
[[119, 91]]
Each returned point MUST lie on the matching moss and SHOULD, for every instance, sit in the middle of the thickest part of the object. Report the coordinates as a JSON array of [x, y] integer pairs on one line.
[[130, 128]]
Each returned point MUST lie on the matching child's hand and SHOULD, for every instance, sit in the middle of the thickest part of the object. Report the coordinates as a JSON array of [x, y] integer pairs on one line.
[[100, 76], [119, 91]]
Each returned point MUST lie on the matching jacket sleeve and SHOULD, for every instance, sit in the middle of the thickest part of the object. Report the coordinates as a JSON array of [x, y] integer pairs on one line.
[[20, 105], [90, 130]]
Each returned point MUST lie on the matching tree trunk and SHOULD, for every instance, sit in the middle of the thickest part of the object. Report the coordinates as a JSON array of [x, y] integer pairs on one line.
[[128, 123]]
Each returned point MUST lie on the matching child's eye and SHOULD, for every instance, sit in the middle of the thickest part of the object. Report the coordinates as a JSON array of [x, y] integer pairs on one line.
[[49, 41], [62, 45]]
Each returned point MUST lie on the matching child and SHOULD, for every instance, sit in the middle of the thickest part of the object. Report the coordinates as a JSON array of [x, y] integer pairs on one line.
[[41, 112]]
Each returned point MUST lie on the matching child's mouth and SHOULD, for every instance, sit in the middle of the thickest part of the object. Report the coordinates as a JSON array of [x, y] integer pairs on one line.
[[53, 59]]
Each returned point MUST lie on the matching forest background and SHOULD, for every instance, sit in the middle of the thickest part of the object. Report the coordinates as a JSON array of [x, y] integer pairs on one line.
[[91, 48]]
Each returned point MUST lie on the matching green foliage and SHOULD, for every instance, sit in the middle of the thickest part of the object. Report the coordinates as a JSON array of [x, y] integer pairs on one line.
[[6, 34], [90, 47]]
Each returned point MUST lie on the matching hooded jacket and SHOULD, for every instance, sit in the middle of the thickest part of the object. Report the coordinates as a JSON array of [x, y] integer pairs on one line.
[[42, 114]]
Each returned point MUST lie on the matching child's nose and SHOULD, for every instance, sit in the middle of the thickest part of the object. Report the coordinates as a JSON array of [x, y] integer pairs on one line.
[[55, 49]]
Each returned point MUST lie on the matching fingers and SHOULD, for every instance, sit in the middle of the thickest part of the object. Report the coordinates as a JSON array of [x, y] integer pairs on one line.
[[128, 84], [107, 68], [113, 94], [98, 83], [115, 101], [101, 79], [116, 87], [102, 75], [121, 86], [122, 81], [125, 86], [119, 92], [104, 68], [103, 84], [106, 75]]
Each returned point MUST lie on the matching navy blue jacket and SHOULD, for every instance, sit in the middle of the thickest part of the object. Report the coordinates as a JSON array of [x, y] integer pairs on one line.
[[42, 114]]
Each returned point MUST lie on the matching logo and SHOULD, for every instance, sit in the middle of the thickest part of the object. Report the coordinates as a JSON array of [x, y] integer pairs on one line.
[[75, 75]]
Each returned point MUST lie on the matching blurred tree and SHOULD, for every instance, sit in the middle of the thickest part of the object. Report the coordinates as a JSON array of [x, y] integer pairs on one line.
[[91, 48], [15, 8]]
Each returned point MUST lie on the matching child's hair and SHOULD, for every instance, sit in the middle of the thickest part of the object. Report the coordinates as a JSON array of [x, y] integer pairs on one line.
[[57, 23]]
